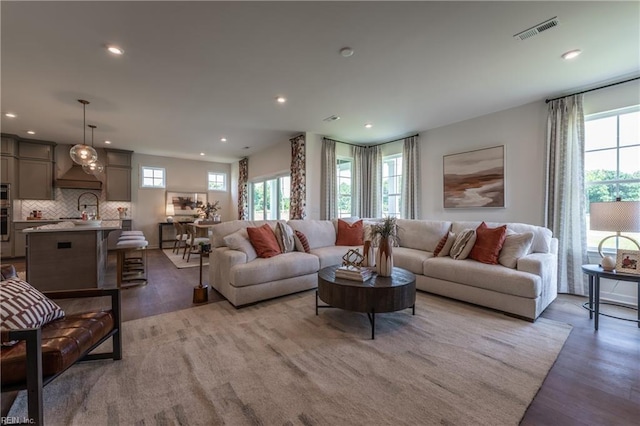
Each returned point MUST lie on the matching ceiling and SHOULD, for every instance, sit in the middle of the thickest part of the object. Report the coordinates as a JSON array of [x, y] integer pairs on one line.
[[194, 72]]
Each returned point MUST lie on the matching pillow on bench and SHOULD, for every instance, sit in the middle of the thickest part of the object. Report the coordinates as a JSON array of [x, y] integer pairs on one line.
[[25, 307]]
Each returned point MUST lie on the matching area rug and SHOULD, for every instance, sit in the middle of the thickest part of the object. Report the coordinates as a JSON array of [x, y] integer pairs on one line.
[[180, 263], [278, 363]]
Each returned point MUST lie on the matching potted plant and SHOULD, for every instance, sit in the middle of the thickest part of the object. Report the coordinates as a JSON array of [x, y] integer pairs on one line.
[[385, 235], [208, 210]]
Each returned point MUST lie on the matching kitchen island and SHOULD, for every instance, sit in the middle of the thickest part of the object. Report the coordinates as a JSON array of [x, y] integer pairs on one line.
[[64, 256]]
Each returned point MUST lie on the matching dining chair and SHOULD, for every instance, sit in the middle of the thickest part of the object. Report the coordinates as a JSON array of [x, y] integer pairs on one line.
[[193, 241], [181, 237]]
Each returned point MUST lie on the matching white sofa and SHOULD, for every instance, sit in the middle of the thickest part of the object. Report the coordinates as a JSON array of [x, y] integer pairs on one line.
[[524, 291]]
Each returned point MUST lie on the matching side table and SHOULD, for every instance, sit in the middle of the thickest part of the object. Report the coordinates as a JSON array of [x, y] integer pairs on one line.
[[595, 272]]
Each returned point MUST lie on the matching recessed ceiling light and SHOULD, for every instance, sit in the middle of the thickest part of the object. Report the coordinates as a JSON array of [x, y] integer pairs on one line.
[[368, 125], [223, 140], [571, 54], [115, 50], [346, 52], [10, 115], [107, 142], [202, 153], [281, 99], [31, 132]]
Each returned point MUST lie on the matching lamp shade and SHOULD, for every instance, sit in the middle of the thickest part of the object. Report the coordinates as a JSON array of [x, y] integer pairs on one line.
[[170, 210], [615, 216]]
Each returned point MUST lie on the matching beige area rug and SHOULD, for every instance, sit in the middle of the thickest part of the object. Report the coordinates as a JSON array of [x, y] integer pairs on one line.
[[177, 260], [277, 363]]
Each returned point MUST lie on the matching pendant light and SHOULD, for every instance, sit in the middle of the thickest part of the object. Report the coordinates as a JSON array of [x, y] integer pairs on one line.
[[95, 168], [82, 153]]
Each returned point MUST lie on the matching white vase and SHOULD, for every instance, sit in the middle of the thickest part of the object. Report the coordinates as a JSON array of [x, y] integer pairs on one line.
[[384, 258]]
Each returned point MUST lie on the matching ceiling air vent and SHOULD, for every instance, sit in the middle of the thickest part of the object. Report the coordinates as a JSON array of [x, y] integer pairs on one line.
[[537, 29], [332, 118]]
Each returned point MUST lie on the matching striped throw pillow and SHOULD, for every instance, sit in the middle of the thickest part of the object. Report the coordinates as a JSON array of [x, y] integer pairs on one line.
[[302, 244], [22, 306]]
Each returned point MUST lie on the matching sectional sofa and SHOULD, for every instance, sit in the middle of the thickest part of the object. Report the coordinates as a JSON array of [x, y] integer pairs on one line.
[[524, 289]]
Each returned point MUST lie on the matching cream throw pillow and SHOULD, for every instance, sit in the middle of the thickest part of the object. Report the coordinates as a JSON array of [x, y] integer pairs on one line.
[[284, 235], [446, 249], [239, 240], [463, 244], [515, 246]]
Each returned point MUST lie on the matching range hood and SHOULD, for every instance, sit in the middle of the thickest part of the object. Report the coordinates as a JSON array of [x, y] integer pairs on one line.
[[76, 178]]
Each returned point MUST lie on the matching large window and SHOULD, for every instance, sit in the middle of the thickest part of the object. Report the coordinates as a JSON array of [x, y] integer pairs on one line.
[[217, 181], [152, 177], [391, 185], [270, 198], [612, 165], [345, 184]]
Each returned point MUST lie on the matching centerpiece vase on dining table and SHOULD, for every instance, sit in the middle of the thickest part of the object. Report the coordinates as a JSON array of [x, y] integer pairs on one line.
[[384, 258]]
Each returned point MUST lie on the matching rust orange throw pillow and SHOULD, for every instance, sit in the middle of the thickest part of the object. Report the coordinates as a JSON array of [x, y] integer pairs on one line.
[[350, 234], [264, 241], [488, 244]]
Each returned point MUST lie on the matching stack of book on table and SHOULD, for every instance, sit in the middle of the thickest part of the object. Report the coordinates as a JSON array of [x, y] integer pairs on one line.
[[354, 273]]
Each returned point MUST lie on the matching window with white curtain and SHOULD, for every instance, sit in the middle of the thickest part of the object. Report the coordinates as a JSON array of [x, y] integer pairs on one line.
[[270, 198], [344, 170], [612, 165], [391, 185]]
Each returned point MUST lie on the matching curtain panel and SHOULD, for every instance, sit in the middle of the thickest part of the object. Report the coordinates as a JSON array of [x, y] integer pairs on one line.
[[565, 197], [298, 178], [410, 201], [243, 189], [329, 199], [367, 174]]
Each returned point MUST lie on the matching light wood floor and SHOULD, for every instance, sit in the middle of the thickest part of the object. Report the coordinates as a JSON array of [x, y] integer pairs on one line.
[[595, 380]]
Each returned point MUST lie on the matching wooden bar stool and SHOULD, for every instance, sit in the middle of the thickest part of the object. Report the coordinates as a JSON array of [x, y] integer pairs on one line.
[[131, 271]]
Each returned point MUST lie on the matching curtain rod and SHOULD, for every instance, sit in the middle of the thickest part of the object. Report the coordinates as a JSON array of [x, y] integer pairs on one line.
[[591, 90], [378, 144]]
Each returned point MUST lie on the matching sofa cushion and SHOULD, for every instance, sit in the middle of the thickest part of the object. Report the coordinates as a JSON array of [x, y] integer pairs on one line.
[[350, 234], [22, 306], [451, 238], [302, 244], [319, 233], [515, 246], [490, 277], [488, 243], [63, 341], [541, 236], [223, 229], [410, 259], [264, 241], [332, 255], [463, 244], [286, 265], [239, 240], [421, 234], [284, 235]]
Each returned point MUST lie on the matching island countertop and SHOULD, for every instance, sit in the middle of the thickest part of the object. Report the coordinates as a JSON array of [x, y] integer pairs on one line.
[[102, 227]]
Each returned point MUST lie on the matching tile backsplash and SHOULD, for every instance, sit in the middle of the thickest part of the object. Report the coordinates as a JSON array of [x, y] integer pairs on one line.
[[66, 205]]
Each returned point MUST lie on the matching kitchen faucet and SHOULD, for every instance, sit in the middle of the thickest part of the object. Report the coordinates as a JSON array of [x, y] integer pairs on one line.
[[97, 204]]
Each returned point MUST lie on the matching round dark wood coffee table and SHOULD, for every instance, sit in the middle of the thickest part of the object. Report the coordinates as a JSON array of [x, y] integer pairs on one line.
[[374, 296]]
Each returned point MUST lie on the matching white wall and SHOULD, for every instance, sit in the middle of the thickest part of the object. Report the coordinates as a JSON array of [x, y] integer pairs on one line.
[[270, 162], [314, 174], [522, 131], [182, 175]]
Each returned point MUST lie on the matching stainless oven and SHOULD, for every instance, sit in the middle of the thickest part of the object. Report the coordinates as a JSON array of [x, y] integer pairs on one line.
[[5, 212]]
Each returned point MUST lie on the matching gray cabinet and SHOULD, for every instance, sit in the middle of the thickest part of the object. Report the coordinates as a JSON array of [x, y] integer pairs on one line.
[[35, 170], [8, 160], [118, 174]]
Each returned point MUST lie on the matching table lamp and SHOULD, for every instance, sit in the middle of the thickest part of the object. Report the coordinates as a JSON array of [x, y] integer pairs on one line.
[[170, 211], [614, 216]]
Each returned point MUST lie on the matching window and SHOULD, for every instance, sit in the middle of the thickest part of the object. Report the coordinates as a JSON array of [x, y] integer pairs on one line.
[[270, 198], [153, 177], [391, 185], [612, 165], [345, 182], [217, 181]]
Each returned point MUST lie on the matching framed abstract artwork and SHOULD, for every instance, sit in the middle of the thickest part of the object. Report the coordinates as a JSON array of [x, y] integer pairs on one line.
[[474, 178], [185, 203]]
